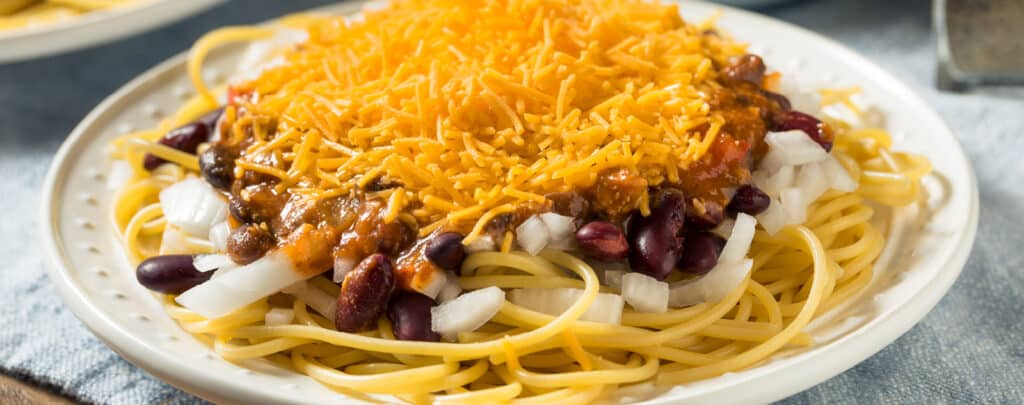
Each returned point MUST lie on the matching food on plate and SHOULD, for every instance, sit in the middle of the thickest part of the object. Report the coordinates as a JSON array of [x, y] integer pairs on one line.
[[546, 201], [32, 13]]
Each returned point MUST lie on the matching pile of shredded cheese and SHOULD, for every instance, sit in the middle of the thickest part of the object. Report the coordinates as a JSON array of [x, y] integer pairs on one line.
[[474, 107]]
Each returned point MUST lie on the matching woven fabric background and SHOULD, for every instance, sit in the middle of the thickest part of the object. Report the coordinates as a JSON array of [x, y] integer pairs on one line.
[[967, 350]]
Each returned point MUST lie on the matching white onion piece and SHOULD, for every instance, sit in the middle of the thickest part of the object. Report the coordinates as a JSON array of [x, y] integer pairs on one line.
[[607, 308], [724, 229], [241, 286], [533, 235], [210, 262], [613, 279], [467, 312], [321, 302], [811, 179], [193, 205], [794, 204], [484, 243], [342, 265], [838, 177], [119, 175], [451, 289], [712, 287], [644, 293], [219, 236], [738, 243], [793, 148], [433, 285], [773, 219], [801, 98], [560, 227], [278, 317], [773, 183], [172, 242]]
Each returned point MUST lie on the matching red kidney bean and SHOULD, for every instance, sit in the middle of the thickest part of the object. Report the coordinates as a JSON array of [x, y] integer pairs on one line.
[[409, 313], [364, 294], [248, 243], [602, 240], [170, 274], [813, 127], [210, 119], [779, 99], [217, 164], [445, 250], [655, 243], [747, 68], [700, 252], [749, 200], [186, 139]]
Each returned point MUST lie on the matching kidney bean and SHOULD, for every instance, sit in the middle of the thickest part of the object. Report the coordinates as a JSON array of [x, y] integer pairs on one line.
[[749, 200], [700, 252], [602, 240], [655, 243], [248, 243], [170, 274], [409, 313], [217, 164], [813, 127], [747, 68], [364, 294], [186, 139], [210, 119], [779, 99], [446, 251]]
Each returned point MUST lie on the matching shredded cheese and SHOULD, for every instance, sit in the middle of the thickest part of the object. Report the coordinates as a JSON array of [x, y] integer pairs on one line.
[[477, 106]]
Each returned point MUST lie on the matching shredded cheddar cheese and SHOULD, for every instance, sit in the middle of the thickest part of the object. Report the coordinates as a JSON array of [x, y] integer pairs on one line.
[[474, 107]]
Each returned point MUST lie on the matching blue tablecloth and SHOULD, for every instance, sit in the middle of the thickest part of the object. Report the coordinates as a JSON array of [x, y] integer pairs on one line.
[[969, 349]]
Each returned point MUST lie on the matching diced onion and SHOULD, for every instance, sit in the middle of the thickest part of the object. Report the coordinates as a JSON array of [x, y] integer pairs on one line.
[[607, 308], [321, 302], [793, 148], [712, 287], [342, 265], [193, 205], [794, 204], [240, 287], [738, 243], [219, 236], [560, 227], [451, 289], [724, 229], [279, 316], [210, 262], [774, 218], [533, 235], [433, 284], [467, 312], [838, 177], [173, 242], [812, 180], [482, 244], [613, 279], [773, 183], [645, 293]]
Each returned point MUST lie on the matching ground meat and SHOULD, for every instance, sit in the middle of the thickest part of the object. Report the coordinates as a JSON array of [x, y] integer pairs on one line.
[[570, 204], [617, 192], [370, 234]]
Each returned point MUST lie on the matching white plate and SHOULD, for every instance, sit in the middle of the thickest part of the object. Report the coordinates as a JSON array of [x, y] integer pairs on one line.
[[94, 28], [927, 248]]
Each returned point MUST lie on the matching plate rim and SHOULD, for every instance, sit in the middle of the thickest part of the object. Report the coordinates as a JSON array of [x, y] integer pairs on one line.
[[22, 44], [886, 329]]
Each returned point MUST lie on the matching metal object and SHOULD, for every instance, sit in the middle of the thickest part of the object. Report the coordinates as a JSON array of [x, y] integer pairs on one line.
[[979, 42]]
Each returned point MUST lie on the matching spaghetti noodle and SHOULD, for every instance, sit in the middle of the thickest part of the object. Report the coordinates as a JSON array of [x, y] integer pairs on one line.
[[430, 118]]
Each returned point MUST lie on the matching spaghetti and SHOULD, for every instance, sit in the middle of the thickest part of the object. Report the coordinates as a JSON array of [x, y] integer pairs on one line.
[[364, 146]]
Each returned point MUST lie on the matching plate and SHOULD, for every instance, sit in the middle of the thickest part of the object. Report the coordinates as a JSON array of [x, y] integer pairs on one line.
[[928, 247], [94, 28]]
